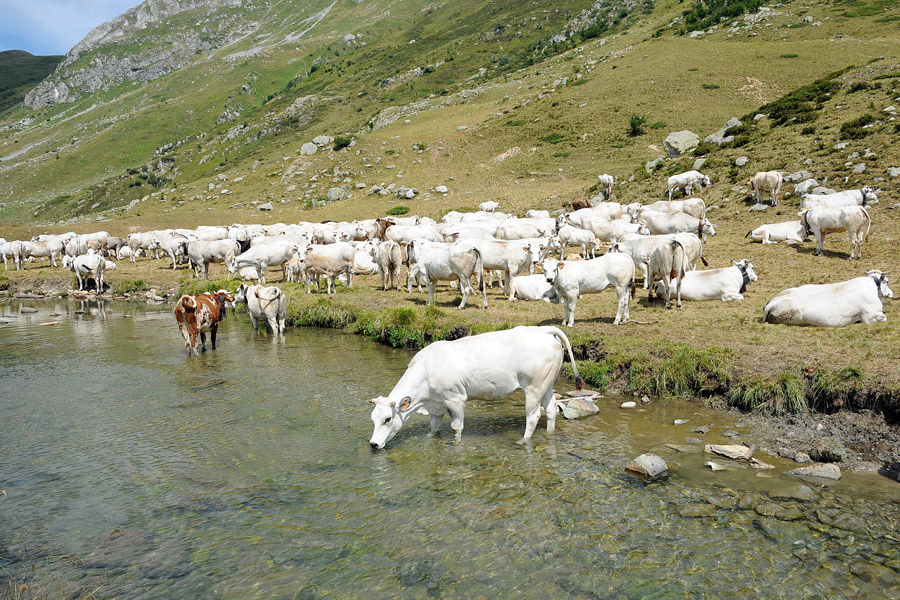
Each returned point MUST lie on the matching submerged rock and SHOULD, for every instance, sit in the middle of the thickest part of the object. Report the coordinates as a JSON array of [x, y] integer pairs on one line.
[[648, 465], [628, 404], [579, 407], [733, 451], [822, 470]]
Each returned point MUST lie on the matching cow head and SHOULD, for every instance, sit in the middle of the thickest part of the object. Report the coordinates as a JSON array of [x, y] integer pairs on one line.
[[751, 185], [707, 227], [868, 196], [881, 281], [552, 269], [706, 181], [240, 294], [388, 416], [644, 230]]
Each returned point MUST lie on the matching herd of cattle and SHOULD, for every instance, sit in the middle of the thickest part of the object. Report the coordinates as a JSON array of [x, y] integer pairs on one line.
[[664, 240]]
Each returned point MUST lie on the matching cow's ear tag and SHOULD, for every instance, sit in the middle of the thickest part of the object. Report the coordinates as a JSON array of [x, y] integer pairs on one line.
[[560, 265], [404, 404]]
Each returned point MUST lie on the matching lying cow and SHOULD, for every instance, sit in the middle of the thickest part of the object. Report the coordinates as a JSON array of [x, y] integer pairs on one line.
[[694, 207], [725, 284], [792, 232], [489, 206], [265, 304], [766, 181], [832, 304], [854, 220], [572, 279], [490, 366], [532, 287], [686, 182], [198, 315]]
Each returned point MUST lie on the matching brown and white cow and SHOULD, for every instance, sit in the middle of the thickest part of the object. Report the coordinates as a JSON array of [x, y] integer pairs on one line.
[[197, 315]]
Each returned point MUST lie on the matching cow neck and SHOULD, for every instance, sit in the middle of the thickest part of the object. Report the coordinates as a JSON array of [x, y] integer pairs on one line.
[[745, 279]]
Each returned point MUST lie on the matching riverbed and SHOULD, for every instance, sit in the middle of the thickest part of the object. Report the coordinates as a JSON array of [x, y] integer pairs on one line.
[[132, 470]]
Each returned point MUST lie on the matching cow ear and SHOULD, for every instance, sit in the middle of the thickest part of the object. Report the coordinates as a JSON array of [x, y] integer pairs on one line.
[[560, 265], [373, 400], [404, 404], [734, 262]]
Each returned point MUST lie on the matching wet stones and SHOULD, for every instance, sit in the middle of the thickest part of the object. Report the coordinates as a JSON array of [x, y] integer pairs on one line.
[[577, 408], [732, 451], [827, 450], [821, 470], [649, 465]]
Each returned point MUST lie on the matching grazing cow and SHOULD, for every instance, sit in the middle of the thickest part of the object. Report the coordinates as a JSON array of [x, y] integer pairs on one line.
[[266, 305], [8, 249], [261, 257], [23, 250], [340, 250], [76, 247], [580, 203], [198, 315], [115, 245], [489, 206], [607, 231], [203, 252], [832, 304], [88, 264], [404, 234], [606, 183], [389, 258], [443, 262], [861, 197], [508, 257], [315, 265], [686, 182], [667, 265], [175, 245], [575, 236], [532, 287], [695, 207], [141, 241], [489, 366], [661, 223], [834, 219], [572, 279], [766, 180], [792, 232], [725, 284]]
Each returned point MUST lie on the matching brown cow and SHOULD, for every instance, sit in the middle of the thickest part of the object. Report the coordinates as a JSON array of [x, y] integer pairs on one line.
[[199, 314], [579, 202]]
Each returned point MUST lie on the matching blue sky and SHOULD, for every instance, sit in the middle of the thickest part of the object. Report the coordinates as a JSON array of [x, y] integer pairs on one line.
[[53, 26]]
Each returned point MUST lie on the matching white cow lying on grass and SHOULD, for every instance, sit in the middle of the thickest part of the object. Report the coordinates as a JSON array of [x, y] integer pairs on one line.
[[265, 304], [571, 279], [792, 232], [716, 284], [532, 287], [832, 304], [490, 366], [861, 197]]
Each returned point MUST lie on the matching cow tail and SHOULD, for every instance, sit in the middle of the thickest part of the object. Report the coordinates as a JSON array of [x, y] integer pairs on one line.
[[868, 224], [632, 284], [558, 334], [479, 265], [704, 261], [189, 304]]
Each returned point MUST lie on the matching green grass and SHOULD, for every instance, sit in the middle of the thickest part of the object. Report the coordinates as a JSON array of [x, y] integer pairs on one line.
[[855, 129], [127, 286], [20, 72]]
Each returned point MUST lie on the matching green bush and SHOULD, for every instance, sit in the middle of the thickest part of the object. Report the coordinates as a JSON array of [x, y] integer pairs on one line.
[[790, 55], [398, 210], [712, 12], [341, 141], [710, 86], [553, 138], [855, 129], [636, 125], [516, 122], [801, 105]]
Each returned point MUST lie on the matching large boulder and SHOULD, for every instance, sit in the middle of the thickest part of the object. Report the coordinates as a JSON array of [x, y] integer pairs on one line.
[[648, 465], [335, 194], [322, 140], [721, 136], [804, 186], [308, 149], [823, 471], [797, 176], [680, 142]]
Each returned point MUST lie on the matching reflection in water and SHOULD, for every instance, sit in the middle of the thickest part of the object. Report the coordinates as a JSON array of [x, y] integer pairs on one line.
[[246, 472]]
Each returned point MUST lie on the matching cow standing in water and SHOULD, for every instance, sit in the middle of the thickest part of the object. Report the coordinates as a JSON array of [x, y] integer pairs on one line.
[[199, 315]]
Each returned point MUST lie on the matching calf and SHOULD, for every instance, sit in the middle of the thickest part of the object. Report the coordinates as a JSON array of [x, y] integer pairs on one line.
[[572, 279], [316, 265], [198, 315], [265, 304], [686, 182], [577, 237], [532, 287], [489, 366]]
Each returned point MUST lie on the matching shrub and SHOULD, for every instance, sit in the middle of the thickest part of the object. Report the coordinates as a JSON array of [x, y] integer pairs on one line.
[[398, 210], [710, 86], [855, 129], [790, 55], [705, 14], [561, 154], [858, 87], [809, 130], [516, 122], [658, 125], [553, 138], [341, 141], [636, 125], [800, 106]]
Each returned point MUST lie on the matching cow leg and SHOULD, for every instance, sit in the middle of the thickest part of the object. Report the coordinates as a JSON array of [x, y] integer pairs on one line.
[[622, 312], [820, 243], [456, 408], [434, 421], [429, 285], [464, 286], [569, 308], [731, 296], [212, 334]]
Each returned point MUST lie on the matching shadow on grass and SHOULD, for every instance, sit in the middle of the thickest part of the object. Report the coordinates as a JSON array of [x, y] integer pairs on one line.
[[826, 253]]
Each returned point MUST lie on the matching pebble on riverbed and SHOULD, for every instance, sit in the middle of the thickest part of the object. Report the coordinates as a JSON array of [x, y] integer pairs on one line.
[[648, 465], [628, 404], [579, 407]]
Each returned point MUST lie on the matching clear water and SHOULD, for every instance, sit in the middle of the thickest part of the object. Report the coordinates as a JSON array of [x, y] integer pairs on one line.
[[133, 471]]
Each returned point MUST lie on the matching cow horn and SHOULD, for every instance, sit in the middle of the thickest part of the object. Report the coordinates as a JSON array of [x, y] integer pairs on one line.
[[886, 272]]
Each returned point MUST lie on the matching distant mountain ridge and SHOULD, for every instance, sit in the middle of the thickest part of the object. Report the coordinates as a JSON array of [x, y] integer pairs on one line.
[[19, 72]]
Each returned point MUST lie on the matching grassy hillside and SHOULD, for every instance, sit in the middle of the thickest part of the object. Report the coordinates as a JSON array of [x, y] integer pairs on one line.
[[19, 72]]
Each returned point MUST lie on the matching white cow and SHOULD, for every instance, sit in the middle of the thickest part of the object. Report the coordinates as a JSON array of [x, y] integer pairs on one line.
[[141, 241], [607, 231], [174, 245], [576, 236], [686, 182], [660, 223], [854, 220], [404, 234], [201, 253], [532, 287], [489, 206], [436, 261], [832, 304], [792, 232], [389, 258], [265, 304], [725, 284], [860, 197], [695, 207], [667, 265], [508, 257], [571, 279], [89, 264], [538, 214], [23, 250], [579, 218], [489, 366], [261, 257], [766, 180], [7, 250], [606, 183], [640, 247], [342, 251], [364, 259], [315, 265]]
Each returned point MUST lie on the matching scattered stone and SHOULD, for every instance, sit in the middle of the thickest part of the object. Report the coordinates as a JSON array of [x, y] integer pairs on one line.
[[702, 429], [441, 189], [893, 171], [322, 140], [265, 207], [699, 163], [693, 440], [890, 109], [733, 451], [462, 128], [791, 513], [758, 116], [879, 575], [679, 142], [715, 466], [804, 186], [720, 137], [645, 399], [654, 164], [27, 310], [681, 421], [696, 509], [793, 492], [628, 405], [827, 450], [841, 145], [822, 470], [335, 194], [308, 149], [860, 168], [579, 407], [798, 176], [730, 433], [683, 449], [740, 161], [648, 465], [758, 207], [583, 394], [767, 509], [360, 186], [758, 464]]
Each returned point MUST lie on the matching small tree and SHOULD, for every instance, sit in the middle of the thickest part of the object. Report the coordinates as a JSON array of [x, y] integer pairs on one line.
[[636, 125]]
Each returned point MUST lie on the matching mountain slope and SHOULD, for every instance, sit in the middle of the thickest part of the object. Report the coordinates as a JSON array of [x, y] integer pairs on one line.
[[20, 71]]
